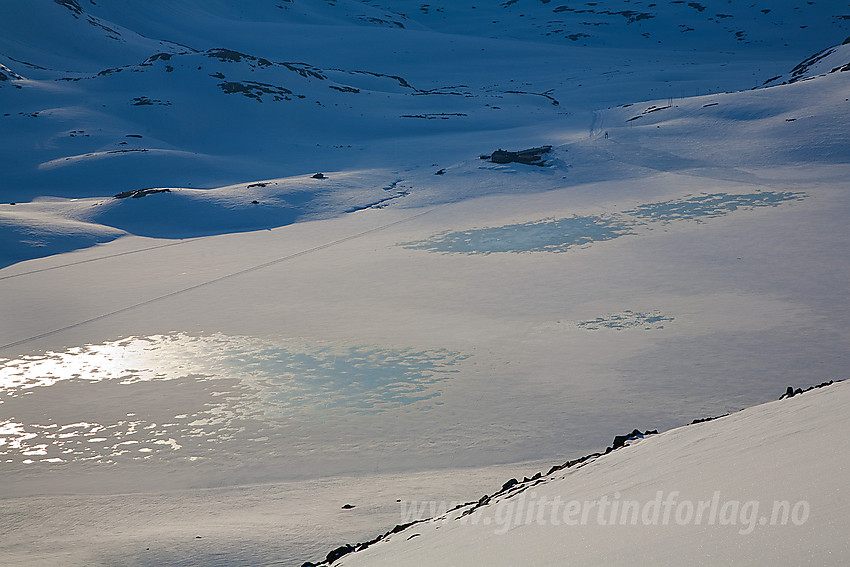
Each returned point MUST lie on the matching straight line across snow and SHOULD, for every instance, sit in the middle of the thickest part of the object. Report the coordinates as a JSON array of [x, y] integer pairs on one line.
[[69, 264], [218, 279]]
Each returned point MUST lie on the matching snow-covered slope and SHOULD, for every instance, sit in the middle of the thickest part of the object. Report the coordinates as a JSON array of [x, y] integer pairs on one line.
[[759, 487], [835, 59], [102, 98]]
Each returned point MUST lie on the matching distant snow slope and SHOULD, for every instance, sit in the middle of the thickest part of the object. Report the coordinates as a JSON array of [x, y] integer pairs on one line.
[[833, 59], [101, 98], [759, 487], [677, 24]]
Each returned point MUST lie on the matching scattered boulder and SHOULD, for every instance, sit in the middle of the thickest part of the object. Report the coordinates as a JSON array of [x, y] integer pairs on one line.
[[348, 507], [791, 392], [319, 176]]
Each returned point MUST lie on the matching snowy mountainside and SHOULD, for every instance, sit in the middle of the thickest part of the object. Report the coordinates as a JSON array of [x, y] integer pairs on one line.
[[711, 132], [742, 482], [830, 60], [94, 77], [104, 98], [46, 39], [676, 24], [794, 123]]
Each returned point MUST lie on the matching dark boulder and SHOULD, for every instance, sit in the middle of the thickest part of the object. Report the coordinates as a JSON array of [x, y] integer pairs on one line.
[[339, 552], [620, 440]]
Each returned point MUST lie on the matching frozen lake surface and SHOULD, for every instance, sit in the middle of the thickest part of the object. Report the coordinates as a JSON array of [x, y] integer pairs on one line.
[[245, 377]]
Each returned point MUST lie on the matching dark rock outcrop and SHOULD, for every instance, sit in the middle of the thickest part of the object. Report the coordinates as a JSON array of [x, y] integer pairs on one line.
[[139, 193], [620, 440], [791, 392], [339, 552], [704, 419]]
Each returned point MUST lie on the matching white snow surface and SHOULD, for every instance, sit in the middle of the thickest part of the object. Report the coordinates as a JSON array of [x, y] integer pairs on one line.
[[238, 333]]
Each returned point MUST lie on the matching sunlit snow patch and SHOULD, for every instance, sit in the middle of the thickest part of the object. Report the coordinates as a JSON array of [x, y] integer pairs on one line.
[[185, 394]]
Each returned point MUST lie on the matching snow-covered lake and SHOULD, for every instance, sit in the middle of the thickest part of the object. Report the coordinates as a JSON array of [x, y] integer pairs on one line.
[[255, 263]]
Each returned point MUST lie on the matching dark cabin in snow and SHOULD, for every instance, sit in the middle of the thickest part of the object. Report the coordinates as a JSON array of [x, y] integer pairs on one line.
[[531, 156]]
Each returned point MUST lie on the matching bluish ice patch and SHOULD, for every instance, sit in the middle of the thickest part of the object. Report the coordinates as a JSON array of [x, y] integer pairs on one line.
[[627, 320], [551, 235], [354, 379], [561, 235], [710, 205]]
